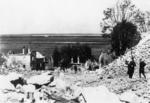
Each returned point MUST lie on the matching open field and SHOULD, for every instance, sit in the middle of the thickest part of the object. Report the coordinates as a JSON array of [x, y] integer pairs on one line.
[[42, 43]]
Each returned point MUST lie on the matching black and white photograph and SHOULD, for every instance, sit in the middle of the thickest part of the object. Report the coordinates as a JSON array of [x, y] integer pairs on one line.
[[74, 51]]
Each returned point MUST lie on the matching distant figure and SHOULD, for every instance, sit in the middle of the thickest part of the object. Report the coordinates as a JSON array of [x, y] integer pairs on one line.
[[75, 69], [87, 64], [131, 67], [51, 61], [141, 69], [78, 60], [127, 63], [71, 60], [62, 65], [90, 67]]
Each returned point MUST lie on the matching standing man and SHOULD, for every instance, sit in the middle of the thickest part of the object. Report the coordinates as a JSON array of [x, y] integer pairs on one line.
[[141, 69], [127, 63], [131, 68]]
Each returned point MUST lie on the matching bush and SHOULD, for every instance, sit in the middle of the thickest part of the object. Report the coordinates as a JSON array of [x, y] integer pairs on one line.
[[123, 36]]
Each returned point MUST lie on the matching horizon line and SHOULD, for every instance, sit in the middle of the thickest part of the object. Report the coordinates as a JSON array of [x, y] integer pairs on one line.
[[53, 34]]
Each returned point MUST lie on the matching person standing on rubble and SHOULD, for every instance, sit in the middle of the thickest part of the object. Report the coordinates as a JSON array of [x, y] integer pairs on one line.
[[131, 68], [141, 69], [127, 63]]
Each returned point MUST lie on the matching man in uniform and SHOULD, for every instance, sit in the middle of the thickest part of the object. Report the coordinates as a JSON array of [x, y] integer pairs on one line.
[[141, 69], [131, 67]]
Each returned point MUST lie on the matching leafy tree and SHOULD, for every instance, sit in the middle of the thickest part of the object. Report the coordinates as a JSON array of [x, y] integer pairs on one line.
[[124, 10], [66, 53], [123, 36], [56, 56], [87, 53]]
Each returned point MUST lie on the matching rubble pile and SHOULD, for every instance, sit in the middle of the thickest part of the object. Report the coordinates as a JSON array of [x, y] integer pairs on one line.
[[41, 88], [118, 66], [32, 91], [115, 77]]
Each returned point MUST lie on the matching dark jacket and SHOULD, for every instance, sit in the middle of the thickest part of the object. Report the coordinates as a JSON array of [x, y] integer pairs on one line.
[[142, 65]]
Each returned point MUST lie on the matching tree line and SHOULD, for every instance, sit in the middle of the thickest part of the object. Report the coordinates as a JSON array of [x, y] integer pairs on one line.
[[62, 56]]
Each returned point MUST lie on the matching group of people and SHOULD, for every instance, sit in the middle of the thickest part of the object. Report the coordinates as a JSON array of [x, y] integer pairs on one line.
[[131, 67]]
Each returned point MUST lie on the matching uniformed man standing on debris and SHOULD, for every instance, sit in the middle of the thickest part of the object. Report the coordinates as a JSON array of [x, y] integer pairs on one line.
[[141, 69], [131, 68], [127, 63]]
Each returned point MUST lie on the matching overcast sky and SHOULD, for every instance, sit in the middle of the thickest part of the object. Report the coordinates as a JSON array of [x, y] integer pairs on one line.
[[55, 16]]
